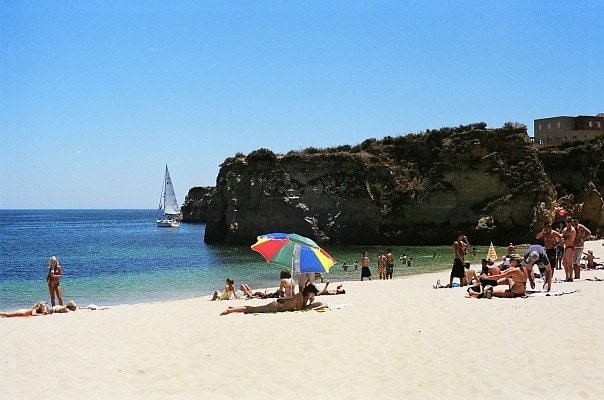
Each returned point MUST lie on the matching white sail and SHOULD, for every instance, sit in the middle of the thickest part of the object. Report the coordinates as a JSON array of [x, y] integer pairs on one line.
[[170, 203], [168, 211]]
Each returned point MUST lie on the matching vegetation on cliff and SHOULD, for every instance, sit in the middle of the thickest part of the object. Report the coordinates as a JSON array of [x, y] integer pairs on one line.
[[414, 189]]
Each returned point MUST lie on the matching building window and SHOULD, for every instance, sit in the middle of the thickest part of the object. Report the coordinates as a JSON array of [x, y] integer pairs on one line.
[[598, 125], [540, 126], [591, 124], [549, 125], [558, 124]]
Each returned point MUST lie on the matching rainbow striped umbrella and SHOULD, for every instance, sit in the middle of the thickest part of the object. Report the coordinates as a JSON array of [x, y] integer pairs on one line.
[[293, 250]]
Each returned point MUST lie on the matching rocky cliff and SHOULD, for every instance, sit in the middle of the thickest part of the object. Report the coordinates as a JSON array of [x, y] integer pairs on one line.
[[414, 189], [196, 205]]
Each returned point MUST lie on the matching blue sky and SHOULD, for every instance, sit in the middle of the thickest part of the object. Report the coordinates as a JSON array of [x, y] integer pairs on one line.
[[96, 96]]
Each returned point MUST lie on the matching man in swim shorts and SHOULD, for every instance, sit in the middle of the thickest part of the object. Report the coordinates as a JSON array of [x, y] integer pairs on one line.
[[459, 248]]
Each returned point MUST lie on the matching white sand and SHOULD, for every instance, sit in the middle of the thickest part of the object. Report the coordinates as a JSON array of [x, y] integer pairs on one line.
[[396, 339]]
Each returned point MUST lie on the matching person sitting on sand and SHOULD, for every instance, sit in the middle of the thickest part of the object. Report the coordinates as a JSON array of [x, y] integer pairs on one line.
[[591, 264], [326, 292], [489, 269], [299, 302], [39, 308], [228, 293], [515, 276], [286, 286], [470, 277]]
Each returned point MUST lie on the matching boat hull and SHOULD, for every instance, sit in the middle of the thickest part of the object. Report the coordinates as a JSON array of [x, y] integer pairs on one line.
[[168, 223]]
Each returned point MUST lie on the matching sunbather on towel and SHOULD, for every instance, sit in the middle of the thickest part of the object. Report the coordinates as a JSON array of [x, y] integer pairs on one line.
[[298, 302]]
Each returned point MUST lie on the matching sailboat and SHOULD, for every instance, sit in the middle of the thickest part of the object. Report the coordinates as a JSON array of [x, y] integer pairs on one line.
[[168, 212]]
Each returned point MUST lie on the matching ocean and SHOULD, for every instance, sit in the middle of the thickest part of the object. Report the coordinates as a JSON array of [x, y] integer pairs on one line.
[[113, 257]]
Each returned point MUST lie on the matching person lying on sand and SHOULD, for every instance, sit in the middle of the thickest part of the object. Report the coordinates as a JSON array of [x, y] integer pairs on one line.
[[326, 292], [39, 308], [299, 302], [70, 306], [251, 294]]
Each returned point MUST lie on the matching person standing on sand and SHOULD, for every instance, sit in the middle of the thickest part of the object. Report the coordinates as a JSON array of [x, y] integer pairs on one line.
[[582, 234], [568, 236], [459, 248], [365, 272], [536, 254], [381, 266], [53, 278], [389, 264], [551, 238], [299, 302]]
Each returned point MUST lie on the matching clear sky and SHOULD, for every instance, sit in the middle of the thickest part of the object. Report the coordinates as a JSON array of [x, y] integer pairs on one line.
[[97, 96]]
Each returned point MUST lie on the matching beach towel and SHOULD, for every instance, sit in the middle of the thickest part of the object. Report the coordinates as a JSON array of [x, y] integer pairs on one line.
[[330, 306], [534, 293]]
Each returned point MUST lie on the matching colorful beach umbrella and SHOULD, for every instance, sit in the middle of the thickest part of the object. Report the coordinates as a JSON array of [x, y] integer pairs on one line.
[[295, 251]]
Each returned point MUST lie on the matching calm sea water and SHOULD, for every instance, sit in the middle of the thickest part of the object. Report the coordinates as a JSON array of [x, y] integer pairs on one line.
[[112, 257]]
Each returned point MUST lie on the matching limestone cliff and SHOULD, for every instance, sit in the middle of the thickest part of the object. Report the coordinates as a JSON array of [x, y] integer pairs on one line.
[[196, 205], [414, 189]]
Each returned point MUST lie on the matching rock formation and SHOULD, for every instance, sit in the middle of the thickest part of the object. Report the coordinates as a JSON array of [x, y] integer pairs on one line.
[[196, 205], [414, 189]]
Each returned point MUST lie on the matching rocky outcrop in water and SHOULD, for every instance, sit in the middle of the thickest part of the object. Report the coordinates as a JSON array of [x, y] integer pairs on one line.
[[196, 205], [414, 189]]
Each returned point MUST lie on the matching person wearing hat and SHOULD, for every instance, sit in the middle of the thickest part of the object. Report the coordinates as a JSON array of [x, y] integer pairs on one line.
[[536, 254]]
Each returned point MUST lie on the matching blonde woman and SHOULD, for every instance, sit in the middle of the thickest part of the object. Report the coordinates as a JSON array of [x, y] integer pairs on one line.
[[38, 309], [55, 272]]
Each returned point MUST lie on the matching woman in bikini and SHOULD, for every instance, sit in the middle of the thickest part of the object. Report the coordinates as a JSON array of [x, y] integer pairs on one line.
[[39, 308], [53, 278]]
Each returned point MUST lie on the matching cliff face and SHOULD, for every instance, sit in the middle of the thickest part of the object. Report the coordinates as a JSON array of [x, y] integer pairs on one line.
[[196, 205], [415, 189], [578, 177]]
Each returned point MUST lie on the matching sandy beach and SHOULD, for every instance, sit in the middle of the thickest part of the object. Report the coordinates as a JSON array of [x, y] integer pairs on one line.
[[387, 339]]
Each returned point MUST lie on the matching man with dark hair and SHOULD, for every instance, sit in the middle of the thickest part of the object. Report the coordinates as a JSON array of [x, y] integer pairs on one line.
[[550, 238], [460, 247]]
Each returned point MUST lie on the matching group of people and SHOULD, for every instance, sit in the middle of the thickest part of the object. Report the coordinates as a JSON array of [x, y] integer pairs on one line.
[[287, 299], [53, 280], [565, 247], [509, 278]]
